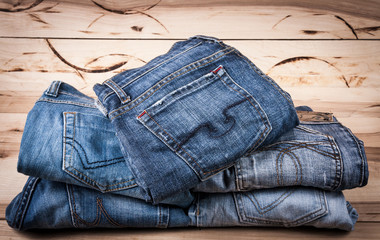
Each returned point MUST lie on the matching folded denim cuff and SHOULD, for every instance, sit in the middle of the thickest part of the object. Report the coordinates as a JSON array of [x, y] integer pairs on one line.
[[353, 171], [17, 209]]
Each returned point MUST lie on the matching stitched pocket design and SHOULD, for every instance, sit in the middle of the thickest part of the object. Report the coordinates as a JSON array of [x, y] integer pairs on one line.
[[89, 210], [208, 122], [91, 153], [287, 207], [301, 156]]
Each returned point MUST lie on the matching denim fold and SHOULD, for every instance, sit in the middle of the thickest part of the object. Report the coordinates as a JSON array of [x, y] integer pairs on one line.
[[87, 153], [190, 113], [46, 204]]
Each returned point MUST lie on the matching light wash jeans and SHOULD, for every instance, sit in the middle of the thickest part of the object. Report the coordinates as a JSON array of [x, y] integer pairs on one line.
[[48, 204]]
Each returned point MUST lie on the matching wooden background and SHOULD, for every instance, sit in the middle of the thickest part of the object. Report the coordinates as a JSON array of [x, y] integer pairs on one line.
[[326, 54]]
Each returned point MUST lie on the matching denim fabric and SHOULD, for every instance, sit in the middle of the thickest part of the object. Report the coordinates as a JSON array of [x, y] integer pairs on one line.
[[66, 139], [326, 155], [190, 113], [48, 204]]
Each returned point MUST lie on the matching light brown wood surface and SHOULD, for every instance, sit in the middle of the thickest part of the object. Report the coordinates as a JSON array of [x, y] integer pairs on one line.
[[326, 54]]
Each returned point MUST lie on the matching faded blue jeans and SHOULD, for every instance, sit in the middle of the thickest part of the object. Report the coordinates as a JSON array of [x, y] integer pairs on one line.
[[191, 113], [66, 139], [48, 204]]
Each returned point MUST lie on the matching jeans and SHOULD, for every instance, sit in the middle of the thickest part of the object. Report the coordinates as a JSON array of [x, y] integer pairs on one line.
[[190, 113], [66, 139], [48, 204]]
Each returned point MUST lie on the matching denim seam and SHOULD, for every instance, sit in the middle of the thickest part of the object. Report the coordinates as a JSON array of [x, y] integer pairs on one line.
[[179, 147], [24, 203], [360, 152], [80, 176], [85, 155], [33, 185], [18, 212], [311, 148], [264, 76], [151, 69], [292, 156], [338, 167], [307, 145], [70, 206], [99, 202], [263, 119], [254, 145], [270, 207], [61, 91], [78, 219], [123, 97], [298, 221], [166, 80], [66, 102]]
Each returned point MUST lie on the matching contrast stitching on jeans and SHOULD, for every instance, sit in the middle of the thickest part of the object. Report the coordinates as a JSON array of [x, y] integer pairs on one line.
[[165, 81], [360, 153], [193, 160], [307, 145], [159, 64], [337, 173], [108, 190], [78, 218], [75, 95], [264, 77], [66, 102], [154, 67], [119, 92], [270, 206], [80, 158], [90, 163], [80, 178], [178, 147], [209, 126], [289, 152], [17, 213], [99, 203], [279, 221], [262, 119]]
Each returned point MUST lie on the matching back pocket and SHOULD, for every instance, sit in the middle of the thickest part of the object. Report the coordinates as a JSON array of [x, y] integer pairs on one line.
[[92, 155], [287, 207], [209, 122]]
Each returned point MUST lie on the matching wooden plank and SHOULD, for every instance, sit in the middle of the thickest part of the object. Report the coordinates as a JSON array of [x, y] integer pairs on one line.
[[289, 19], [362, 231], [347, 64]]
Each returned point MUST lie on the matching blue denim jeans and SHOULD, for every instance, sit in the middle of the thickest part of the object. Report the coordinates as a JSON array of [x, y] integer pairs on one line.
[[191, 113], [66, 139], [48, 204]]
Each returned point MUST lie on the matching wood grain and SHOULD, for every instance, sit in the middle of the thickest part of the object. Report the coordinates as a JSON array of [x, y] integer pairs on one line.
[[363, 231], [326, 54], [168, 19]]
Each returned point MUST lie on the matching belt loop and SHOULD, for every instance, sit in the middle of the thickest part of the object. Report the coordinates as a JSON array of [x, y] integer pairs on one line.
[[53, 89], [124, 98]]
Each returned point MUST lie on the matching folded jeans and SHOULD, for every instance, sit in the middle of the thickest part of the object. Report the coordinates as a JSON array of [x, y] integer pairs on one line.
[[66, 139], [191, 113], [47, 204]]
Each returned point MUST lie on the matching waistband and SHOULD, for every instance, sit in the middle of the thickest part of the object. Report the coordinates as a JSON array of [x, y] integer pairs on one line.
[[183, 57]]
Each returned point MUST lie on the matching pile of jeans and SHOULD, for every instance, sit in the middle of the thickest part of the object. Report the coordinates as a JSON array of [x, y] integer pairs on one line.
[[197, 137]]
